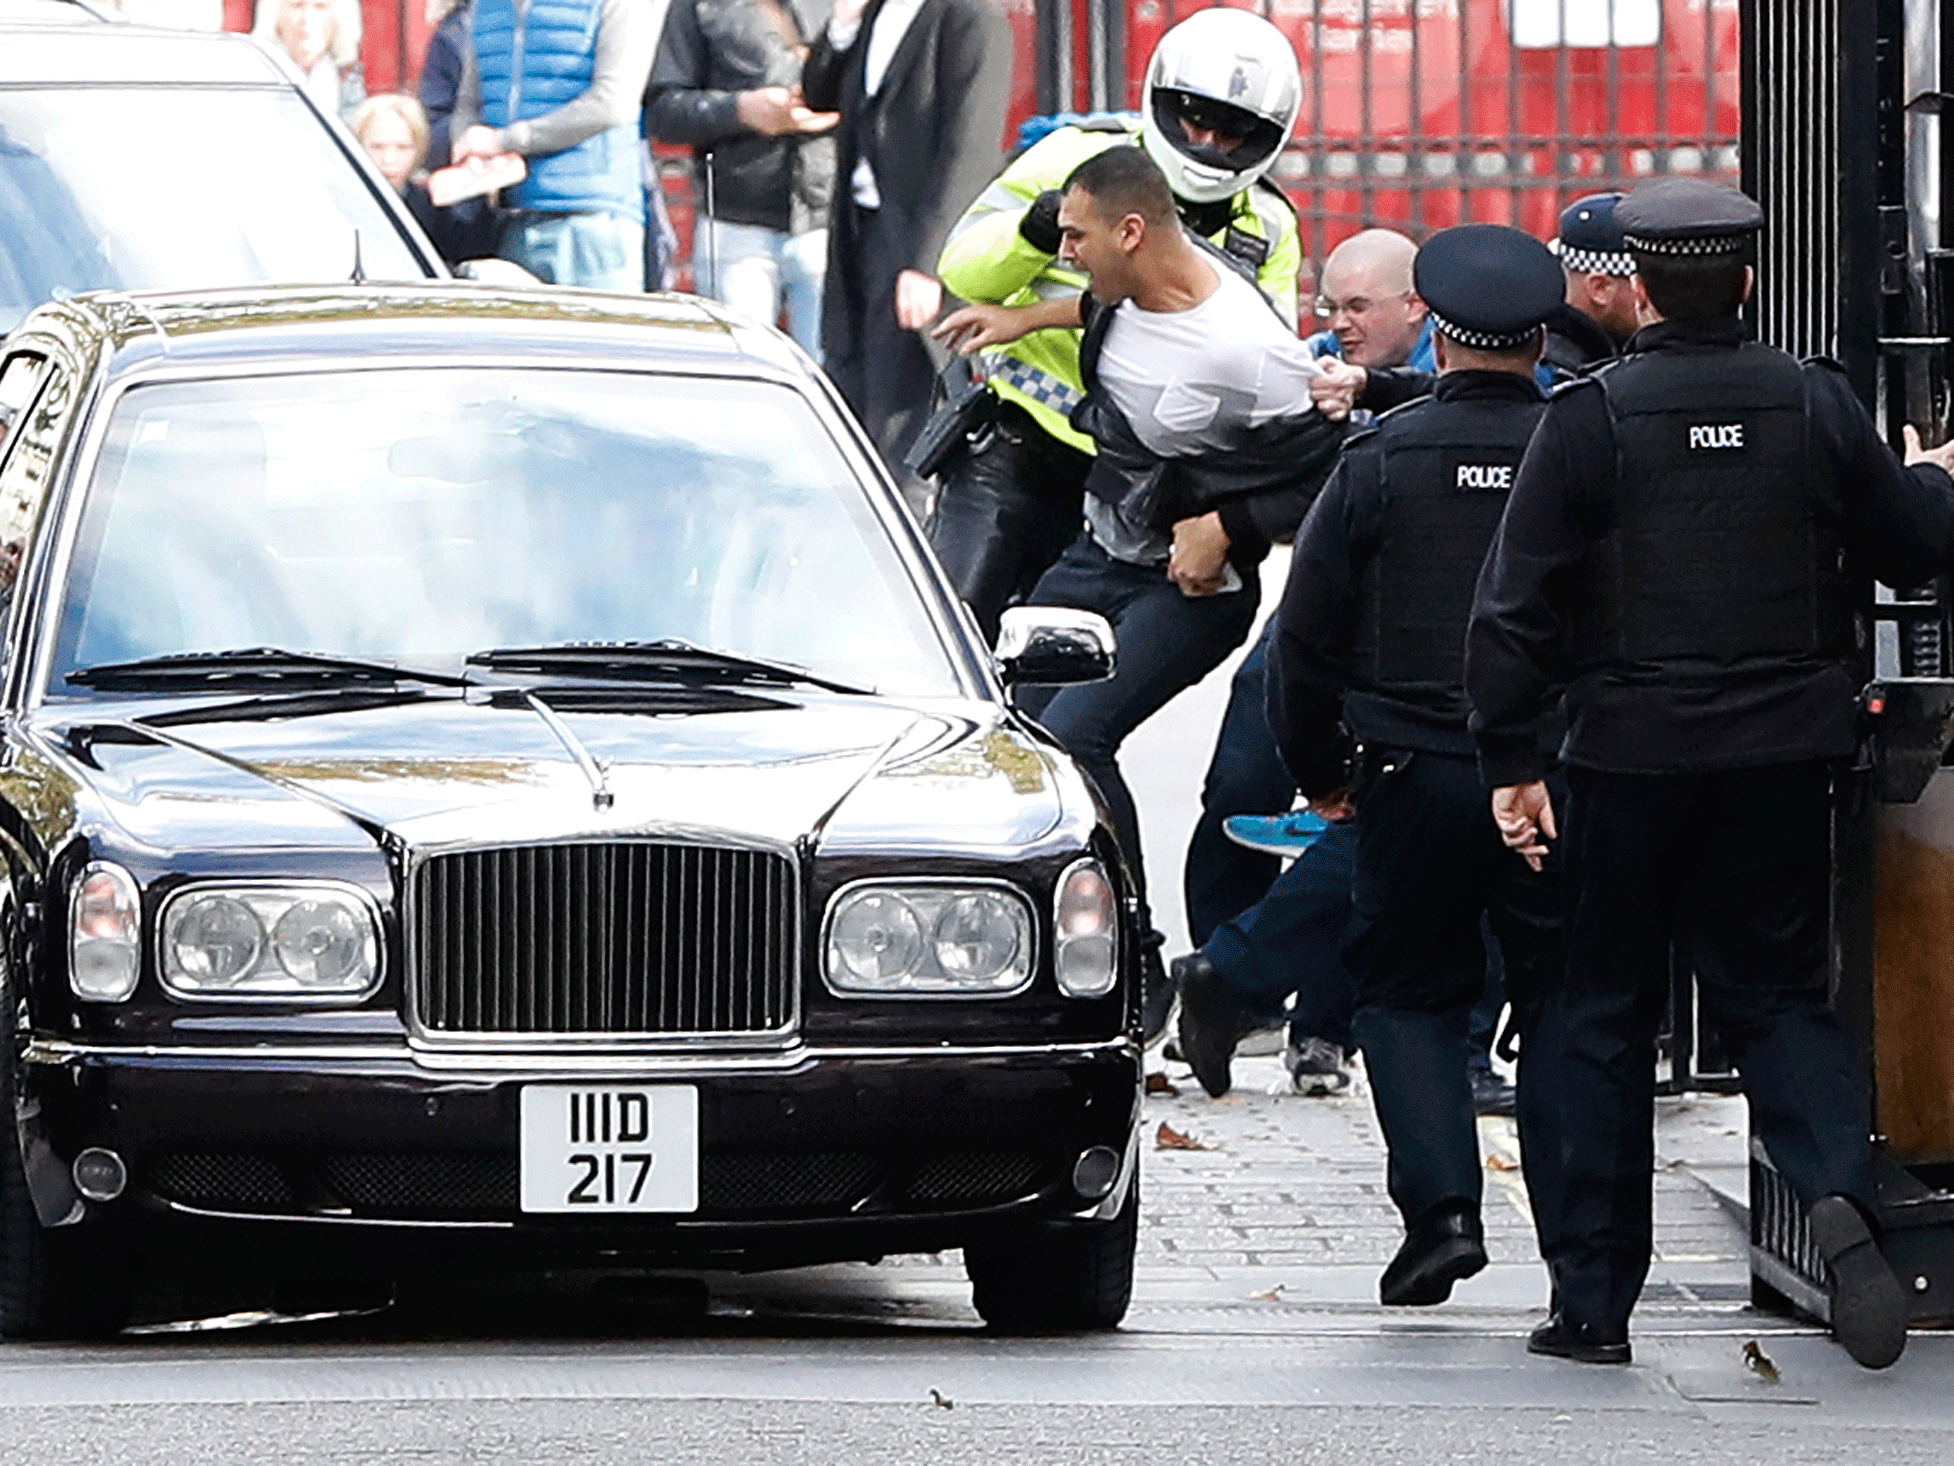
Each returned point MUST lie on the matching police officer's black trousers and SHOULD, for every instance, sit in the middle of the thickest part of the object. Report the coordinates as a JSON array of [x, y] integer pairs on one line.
[[1005, 511], [1751, 848], [1430, 863]]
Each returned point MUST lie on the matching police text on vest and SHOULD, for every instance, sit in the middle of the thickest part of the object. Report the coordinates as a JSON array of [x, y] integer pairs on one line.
[[1485, 476], [1717, 435]]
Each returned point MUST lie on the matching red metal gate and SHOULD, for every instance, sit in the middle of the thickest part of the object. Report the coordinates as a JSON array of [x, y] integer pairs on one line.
[[1416, 114]]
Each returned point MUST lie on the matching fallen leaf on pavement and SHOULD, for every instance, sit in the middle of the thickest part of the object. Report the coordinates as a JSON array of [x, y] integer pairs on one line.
[[944, 1400], [1274, 1295], [1168, 1138], [1498, 1162], [1158, 1083], [1758, 1360]]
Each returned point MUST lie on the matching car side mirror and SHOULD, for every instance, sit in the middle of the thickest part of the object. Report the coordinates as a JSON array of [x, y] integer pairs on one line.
[[1053, 646], [490, 270]]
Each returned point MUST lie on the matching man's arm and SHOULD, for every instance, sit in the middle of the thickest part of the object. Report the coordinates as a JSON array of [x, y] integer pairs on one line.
[[973, 328], [1513, 668], [627, 40], [1309, 660], [1899, 517]]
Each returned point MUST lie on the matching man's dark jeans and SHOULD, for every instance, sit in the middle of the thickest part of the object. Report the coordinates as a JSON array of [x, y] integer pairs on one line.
[[1246, 775], [1167, 643], [1291, 941]]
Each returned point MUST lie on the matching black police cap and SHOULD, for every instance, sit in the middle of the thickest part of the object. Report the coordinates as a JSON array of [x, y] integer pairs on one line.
[[1489, 287], [1688, 216], [1591, 237]]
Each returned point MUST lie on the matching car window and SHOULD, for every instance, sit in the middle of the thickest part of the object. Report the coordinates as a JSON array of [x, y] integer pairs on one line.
[[26, 457], [141, 188], [20, 377], [423, 514]]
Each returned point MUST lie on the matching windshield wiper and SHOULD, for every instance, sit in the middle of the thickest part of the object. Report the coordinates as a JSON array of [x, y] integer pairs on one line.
[[650, 659], [255, 666]]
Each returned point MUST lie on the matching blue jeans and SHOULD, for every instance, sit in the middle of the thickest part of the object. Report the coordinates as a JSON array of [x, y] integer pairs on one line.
[[1246, 775], [1167, 643], [757, 271], [1291, 941], [600, 250]]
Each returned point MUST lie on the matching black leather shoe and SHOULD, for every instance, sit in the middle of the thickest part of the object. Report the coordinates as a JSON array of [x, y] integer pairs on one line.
[[1441, 1250], [1581, 1342], [1211, 1022], [1156, 994], [1869, 1307], [1491, 1095]]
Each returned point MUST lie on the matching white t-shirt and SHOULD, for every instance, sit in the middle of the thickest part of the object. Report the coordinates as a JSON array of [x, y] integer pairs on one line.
[[1192, 382]]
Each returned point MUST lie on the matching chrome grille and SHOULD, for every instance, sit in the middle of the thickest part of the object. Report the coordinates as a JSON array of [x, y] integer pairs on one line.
[[624, 938]]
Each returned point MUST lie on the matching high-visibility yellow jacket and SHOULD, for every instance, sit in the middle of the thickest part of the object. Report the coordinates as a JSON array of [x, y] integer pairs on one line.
[[987, 259]]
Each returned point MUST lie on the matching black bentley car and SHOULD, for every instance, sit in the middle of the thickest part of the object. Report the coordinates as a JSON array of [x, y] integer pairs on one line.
[[496, 781]]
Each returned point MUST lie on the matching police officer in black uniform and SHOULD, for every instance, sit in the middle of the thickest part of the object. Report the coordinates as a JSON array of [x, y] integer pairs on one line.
[[1598, 315], [1679, 553], [1370, 647]]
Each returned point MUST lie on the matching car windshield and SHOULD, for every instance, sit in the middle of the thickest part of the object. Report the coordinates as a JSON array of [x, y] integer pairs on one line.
[[424, 515], [164, 187]]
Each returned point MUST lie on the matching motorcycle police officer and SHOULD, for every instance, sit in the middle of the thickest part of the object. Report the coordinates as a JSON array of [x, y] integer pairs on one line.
[[1678, 556], [1370, 639], [1222, 93]]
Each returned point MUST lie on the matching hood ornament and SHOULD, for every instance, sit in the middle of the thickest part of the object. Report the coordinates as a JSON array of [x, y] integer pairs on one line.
[[601, 796]]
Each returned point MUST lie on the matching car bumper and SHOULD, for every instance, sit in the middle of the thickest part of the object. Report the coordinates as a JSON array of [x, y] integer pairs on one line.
[[806, 1156]]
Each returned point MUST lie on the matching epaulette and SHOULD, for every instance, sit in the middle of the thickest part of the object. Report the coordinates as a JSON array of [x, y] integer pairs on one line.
[[1400, 410], [1287, 202], [1575, 384]]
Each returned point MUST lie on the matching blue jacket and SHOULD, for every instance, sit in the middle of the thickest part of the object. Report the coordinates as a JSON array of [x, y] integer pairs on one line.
[[533, 60]]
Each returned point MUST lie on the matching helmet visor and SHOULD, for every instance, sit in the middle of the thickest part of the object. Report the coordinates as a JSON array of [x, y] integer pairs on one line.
[[1216, 134]]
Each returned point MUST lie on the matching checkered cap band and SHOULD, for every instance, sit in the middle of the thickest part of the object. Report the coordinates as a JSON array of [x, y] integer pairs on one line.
[[1595, 261], [1482, 340], [1704, 244]]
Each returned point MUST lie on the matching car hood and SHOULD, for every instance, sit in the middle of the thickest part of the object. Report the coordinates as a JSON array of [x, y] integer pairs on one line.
[[444, 771]]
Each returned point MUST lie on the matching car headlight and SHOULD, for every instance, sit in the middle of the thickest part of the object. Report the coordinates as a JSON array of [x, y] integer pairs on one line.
[[305, 940], [1085, 956], [104, 934], [928, 941]]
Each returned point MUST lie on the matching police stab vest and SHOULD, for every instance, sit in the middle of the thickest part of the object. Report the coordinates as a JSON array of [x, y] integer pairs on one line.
[[1447, 468], [1724, 547]]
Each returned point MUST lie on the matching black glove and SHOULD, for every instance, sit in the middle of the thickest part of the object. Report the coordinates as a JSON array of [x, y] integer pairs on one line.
[[1039, 226]]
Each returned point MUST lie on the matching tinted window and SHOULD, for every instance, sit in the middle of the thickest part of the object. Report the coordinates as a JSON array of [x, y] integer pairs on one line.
[[425, 514], [143, 188]]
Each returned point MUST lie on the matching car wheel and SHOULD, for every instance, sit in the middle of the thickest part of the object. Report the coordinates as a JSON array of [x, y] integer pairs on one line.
[[55, 1283], [1058, 1279]]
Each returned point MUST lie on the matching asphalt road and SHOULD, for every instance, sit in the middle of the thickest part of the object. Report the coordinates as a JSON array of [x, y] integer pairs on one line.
[[1254, 1337]]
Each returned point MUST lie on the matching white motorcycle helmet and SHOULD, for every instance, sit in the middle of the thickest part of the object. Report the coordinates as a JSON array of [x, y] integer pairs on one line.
[[1223, 71]]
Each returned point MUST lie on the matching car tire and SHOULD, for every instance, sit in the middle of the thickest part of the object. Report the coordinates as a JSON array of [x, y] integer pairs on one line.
[[55, 1283], [1076, 1278]]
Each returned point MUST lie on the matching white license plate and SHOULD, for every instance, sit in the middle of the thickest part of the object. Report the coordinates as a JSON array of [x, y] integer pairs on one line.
[[610, 1148]]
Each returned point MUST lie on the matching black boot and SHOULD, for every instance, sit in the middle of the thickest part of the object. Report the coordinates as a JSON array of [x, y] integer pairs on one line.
[[1869, 1307], [1212, 1023], [1444, 1247]]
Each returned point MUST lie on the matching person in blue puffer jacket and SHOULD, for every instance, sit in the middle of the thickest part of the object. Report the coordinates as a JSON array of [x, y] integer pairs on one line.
[[559, 81]]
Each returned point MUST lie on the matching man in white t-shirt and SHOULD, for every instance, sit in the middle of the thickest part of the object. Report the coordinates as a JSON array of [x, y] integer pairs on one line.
[[1209, 448]]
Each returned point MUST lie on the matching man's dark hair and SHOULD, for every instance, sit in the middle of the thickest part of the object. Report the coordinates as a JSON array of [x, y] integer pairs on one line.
[[1124, 180], [1693, 287]]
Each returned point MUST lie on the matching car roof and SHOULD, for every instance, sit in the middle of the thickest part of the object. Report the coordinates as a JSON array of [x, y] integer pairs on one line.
[[368, 325], [85, 52]]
